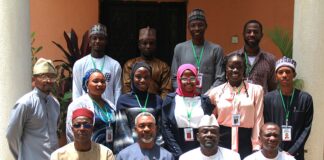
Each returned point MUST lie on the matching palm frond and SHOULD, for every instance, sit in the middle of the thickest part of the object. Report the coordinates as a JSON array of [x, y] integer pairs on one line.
[[282, 39]]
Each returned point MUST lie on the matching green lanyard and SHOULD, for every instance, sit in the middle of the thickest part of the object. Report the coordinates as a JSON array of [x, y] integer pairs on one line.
[[287, 112], [195, 55], [143, 108], [248, 65], [94, 64], [189, 111], [105, 112]]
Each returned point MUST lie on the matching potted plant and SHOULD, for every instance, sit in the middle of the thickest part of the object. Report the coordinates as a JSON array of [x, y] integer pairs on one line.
[[63, 86]]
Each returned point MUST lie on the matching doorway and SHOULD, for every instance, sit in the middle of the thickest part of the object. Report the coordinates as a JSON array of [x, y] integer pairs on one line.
[[124, 18]]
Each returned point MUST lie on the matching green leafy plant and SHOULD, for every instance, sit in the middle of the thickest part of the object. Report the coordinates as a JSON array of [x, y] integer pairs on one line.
[[34, 49], [284, 41], [63, 87]]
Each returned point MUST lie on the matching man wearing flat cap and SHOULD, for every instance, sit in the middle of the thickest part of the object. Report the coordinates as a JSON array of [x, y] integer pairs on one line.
[[161, 81], [98, 60], [32, 127], [290, 108], [205, 55], [82, 148], [208, 137]]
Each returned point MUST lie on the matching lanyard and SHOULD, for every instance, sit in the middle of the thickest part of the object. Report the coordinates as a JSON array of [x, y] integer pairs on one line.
[[195, 55], [94, 64], [108, 116], [143, 108], [287, 112], [189, 110], [248, 65]]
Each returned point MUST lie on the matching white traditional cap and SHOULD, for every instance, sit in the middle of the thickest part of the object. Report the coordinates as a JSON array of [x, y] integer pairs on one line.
[[44, 66], [285, 61], [207, 120], [98, 29]]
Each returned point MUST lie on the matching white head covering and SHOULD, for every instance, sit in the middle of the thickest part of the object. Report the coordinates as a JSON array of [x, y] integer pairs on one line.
[[98, 29], [285, 61], [44, 66], [207, 120]]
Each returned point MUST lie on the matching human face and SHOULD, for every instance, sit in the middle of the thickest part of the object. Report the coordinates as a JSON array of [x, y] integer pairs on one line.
[[147, 45], [142, 78], [208, 137], [235, 70], [82, 134], [98, 43], [285, 75], [252, 35], [197, 29], [188, 81], [146, 130], [96, 84], [45, 82], [270, 137]]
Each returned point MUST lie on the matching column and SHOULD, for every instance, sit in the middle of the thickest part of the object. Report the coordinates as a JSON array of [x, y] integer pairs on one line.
[[308, 52], [15, 61]]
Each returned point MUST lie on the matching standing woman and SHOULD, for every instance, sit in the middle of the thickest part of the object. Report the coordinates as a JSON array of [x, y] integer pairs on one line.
[[238, 108], [139, 100], [182, 111], [94, 84]]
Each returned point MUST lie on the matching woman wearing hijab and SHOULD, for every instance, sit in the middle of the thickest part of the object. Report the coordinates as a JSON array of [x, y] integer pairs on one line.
[[139, 100], [94, 83], [238, 108], [182, 111]]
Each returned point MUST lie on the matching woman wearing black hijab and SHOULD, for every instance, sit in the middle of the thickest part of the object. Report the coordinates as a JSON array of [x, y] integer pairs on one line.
[[139, 100]]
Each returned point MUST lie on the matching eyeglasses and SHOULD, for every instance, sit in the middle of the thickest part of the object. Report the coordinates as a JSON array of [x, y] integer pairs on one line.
[[190, 79], [86, 125], [44, 77]]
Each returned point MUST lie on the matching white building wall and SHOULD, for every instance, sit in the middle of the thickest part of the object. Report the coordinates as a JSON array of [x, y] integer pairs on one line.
[[15, 61], [309, 54]]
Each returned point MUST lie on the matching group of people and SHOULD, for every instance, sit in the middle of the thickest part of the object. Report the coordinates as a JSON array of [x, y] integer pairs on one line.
[[239, 106]]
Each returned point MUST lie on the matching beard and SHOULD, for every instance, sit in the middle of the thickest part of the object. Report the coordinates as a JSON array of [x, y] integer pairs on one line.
[[209, 144], [147, 140]]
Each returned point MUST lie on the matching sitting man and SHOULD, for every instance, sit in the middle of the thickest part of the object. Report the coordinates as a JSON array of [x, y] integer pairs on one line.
[[270, 139], [208, 137], [145, 148], [82, 148]]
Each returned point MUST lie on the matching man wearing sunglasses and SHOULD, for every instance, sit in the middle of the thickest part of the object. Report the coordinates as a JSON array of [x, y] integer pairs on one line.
[[32, 127], [82, 147]]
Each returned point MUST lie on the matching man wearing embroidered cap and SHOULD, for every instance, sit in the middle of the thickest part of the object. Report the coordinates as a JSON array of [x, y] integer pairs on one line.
[[290, 108], [98, 60], [208, 137], [82, 148], [32, 127], [161, 81], [205, 55]]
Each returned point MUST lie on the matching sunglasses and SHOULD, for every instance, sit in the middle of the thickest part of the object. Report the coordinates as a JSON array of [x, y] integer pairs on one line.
[[86, 125]]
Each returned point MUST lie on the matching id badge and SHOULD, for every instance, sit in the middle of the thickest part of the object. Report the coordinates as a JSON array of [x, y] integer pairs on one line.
[[236, 119], [286, 132], [200, 79], [188, 134], [109, 134]]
